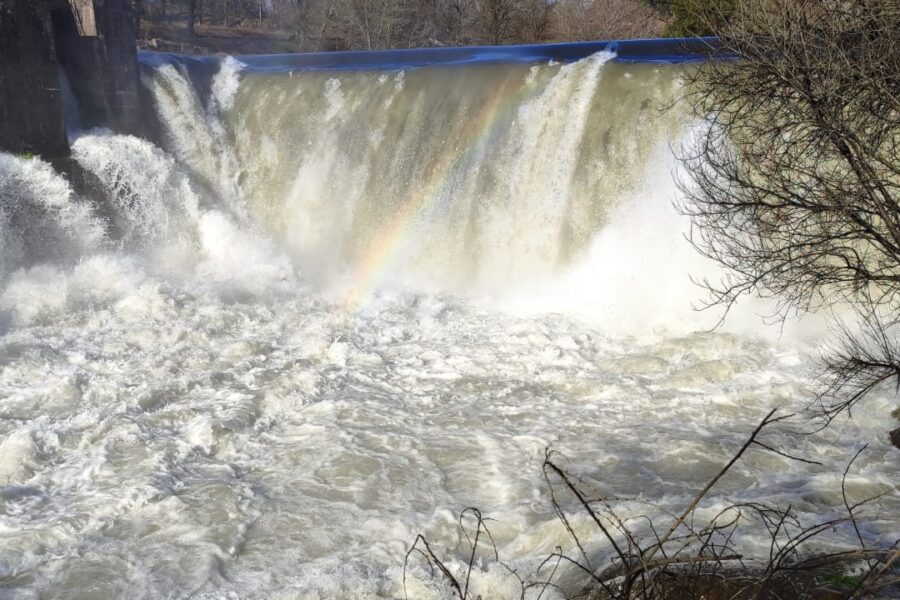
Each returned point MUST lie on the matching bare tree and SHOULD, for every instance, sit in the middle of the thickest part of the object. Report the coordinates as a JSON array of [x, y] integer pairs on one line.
[[579, 20], [191, 16], [366, 24], [498, 17], [452, 20], [535, 21], [794, 184], [293, 16]]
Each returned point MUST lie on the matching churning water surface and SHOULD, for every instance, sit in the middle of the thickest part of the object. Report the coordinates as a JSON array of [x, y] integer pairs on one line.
[[337, 308]]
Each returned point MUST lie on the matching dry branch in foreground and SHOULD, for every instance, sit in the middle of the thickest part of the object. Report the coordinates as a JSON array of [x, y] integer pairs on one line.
[[690, 561]]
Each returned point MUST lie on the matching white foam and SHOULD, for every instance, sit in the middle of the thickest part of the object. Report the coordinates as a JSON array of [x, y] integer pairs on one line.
[[226, 83], [236, 260], [41, 216], [153, 199], [17, 454]]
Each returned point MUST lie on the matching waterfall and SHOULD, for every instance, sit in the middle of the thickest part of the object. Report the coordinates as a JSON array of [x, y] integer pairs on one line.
[[466, 179]]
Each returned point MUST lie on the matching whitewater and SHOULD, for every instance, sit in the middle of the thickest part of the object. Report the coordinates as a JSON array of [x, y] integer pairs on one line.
[[331, 309]]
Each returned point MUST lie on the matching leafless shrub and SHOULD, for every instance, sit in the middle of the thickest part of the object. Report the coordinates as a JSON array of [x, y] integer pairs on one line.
[[860, 359], [691, 561], [480, 537], [794, 184]]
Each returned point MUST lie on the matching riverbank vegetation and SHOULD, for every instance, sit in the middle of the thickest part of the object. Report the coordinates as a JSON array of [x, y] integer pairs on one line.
[[250, 26]]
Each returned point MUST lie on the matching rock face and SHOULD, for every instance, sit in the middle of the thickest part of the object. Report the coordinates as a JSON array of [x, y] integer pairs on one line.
[[93, 41], [31, 109]]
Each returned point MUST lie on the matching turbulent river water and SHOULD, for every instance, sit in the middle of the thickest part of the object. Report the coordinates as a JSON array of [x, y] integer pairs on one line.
[[335, 308]]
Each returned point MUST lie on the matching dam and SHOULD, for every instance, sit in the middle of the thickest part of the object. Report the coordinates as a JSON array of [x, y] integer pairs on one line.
[[344, 297]]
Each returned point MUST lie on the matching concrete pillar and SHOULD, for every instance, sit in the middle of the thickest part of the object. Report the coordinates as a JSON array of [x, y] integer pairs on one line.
[[102, 69], [84, 17], [31, 109]]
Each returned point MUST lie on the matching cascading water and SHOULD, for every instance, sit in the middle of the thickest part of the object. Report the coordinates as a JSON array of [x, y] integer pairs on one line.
[[338, 307]]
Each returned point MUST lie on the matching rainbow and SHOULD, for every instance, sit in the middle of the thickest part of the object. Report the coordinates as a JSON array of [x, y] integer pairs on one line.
[[384, 251]]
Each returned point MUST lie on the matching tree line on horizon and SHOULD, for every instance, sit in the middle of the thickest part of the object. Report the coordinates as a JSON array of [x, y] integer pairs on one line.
[[324, 25]]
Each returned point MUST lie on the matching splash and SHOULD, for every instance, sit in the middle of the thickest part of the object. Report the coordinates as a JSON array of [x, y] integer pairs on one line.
[[41, 219], [226, 82], [153, 200]]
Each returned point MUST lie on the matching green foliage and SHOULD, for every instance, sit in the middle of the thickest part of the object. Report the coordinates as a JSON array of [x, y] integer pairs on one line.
[[692, 18], [843, 580], [25, 155]]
